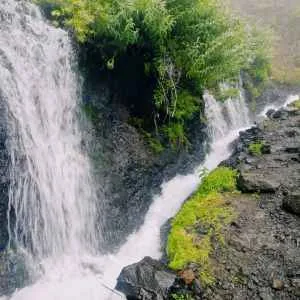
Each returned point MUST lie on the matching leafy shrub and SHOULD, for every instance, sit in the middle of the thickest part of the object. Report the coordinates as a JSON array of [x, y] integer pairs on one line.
[[206, 209], [154, 143], [186, 46], [176, 134]]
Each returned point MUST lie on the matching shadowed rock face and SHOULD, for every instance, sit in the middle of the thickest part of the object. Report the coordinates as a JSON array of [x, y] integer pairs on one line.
[[128, 173], [4, 179]]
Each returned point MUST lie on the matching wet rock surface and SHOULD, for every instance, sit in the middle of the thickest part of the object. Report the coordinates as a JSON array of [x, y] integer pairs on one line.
[[276, 165], [262, 257], [129, 172], [13, 272], [149, 279]]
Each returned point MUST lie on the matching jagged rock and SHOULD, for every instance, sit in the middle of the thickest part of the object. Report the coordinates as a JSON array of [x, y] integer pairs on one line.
[[148, 280], [291, 202], [270, 113], [257, 182], [262, 258], [291, 149], [280, 114]]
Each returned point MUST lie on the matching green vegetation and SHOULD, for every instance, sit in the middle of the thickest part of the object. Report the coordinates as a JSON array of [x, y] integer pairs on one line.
[[225, 94], [296, 104], [200, 221], [181, 297], [256, 148], [181, 48], [154, 143], [176, 134]]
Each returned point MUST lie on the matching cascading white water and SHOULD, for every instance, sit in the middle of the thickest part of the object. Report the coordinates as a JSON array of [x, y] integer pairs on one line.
[[51, 192], [146, 241], [223, 118]]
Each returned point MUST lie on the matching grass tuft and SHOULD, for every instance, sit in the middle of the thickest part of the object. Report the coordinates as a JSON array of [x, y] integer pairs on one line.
[[256, 148]]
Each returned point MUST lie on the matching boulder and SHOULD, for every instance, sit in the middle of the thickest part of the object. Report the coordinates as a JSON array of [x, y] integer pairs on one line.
[[148, 279], [257, 182], [281, 114]]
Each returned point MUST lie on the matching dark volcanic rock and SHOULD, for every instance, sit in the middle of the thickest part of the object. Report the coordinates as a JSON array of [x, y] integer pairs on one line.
[[257, 182], [4, 179], [262, 260], [129, 172], [146, 280], [277, 166], [291, 202]]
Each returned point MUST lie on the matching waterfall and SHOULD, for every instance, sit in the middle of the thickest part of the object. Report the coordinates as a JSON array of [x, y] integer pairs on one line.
[[51, 192], [223, 130], [223, 118], [54, 214]]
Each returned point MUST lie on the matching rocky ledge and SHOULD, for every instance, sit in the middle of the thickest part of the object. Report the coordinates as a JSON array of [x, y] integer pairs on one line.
[[261, 256]]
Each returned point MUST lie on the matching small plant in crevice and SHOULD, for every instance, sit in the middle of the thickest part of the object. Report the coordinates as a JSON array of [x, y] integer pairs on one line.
[[154, 143], [181, 297], [256, 148], [295, 104]]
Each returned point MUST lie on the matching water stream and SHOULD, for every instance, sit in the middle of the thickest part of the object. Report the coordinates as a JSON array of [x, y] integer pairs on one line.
[[51, 191]]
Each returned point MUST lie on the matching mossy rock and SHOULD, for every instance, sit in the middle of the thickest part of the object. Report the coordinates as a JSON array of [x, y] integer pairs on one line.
[[207, 209]]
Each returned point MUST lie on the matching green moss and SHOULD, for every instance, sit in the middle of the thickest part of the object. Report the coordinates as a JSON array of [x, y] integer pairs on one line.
[[256, 148], [254, 90], [222, 179], [239, 279], [296, 104], [208, 210]]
